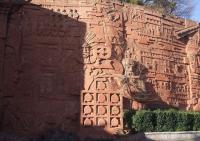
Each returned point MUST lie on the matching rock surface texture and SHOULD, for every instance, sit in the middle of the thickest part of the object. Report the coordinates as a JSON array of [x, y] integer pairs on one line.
[[76, 63]]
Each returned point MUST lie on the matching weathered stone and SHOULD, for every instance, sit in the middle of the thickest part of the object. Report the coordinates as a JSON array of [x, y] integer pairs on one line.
[[70, 63]]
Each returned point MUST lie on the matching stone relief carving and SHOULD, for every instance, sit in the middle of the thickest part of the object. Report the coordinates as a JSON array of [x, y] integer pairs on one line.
[[100, 74], [123, 52]]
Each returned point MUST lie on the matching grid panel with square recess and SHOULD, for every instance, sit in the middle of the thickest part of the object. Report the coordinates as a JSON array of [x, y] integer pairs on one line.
[[101, 109]]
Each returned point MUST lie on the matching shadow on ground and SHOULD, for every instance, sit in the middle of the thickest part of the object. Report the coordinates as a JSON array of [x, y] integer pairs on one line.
[[59, 135]]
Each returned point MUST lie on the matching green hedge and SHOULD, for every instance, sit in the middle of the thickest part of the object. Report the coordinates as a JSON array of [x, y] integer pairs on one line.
[[128, 116], [184, 121], [144, 121], [196, 122], [165, 120], [162, 120]]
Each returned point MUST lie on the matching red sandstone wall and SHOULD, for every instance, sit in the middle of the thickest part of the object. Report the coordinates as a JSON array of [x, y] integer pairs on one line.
[[43, 68], [167, 47], [68, 61]]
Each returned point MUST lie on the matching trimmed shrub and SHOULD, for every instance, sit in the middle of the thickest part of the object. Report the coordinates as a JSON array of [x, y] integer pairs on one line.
[[165, 120], [196, 122], [162, 120], [144, 121], [184, 121], [128, 118]]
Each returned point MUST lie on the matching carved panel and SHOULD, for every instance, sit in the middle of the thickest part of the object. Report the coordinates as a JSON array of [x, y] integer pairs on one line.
[[101, 109]]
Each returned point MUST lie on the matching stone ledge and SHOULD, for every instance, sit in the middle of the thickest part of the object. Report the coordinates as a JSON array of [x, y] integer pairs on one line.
[[173, 136]]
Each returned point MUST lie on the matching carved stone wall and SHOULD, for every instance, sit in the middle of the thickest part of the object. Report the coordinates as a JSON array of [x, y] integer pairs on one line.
[[162, 52], [102, 98], [43, 66], [71, 63]]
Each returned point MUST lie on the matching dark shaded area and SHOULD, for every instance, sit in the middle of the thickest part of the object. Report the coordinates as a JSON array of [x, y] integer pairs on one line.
[[59, 135], [42, 75], [41, 68]]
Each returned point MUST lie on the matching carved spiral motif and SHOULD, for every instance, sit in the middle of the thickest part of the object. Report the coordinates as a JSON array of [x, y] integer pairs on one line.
[[115, 98], [101, 122], [115, 110], [88, 98], [101, 98], [87, 110], [114, 122], [101, 110], [88, 122]]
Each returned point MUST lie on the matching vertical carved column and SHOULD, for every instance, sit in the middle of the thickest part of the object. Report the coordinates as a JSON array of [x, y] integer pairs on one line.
[[193, 55], [101, 100]]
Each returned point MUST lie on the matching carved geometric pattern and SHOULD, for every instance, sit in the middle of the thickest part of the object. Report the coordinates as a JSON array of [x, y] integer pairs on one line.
[[101, 109]]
